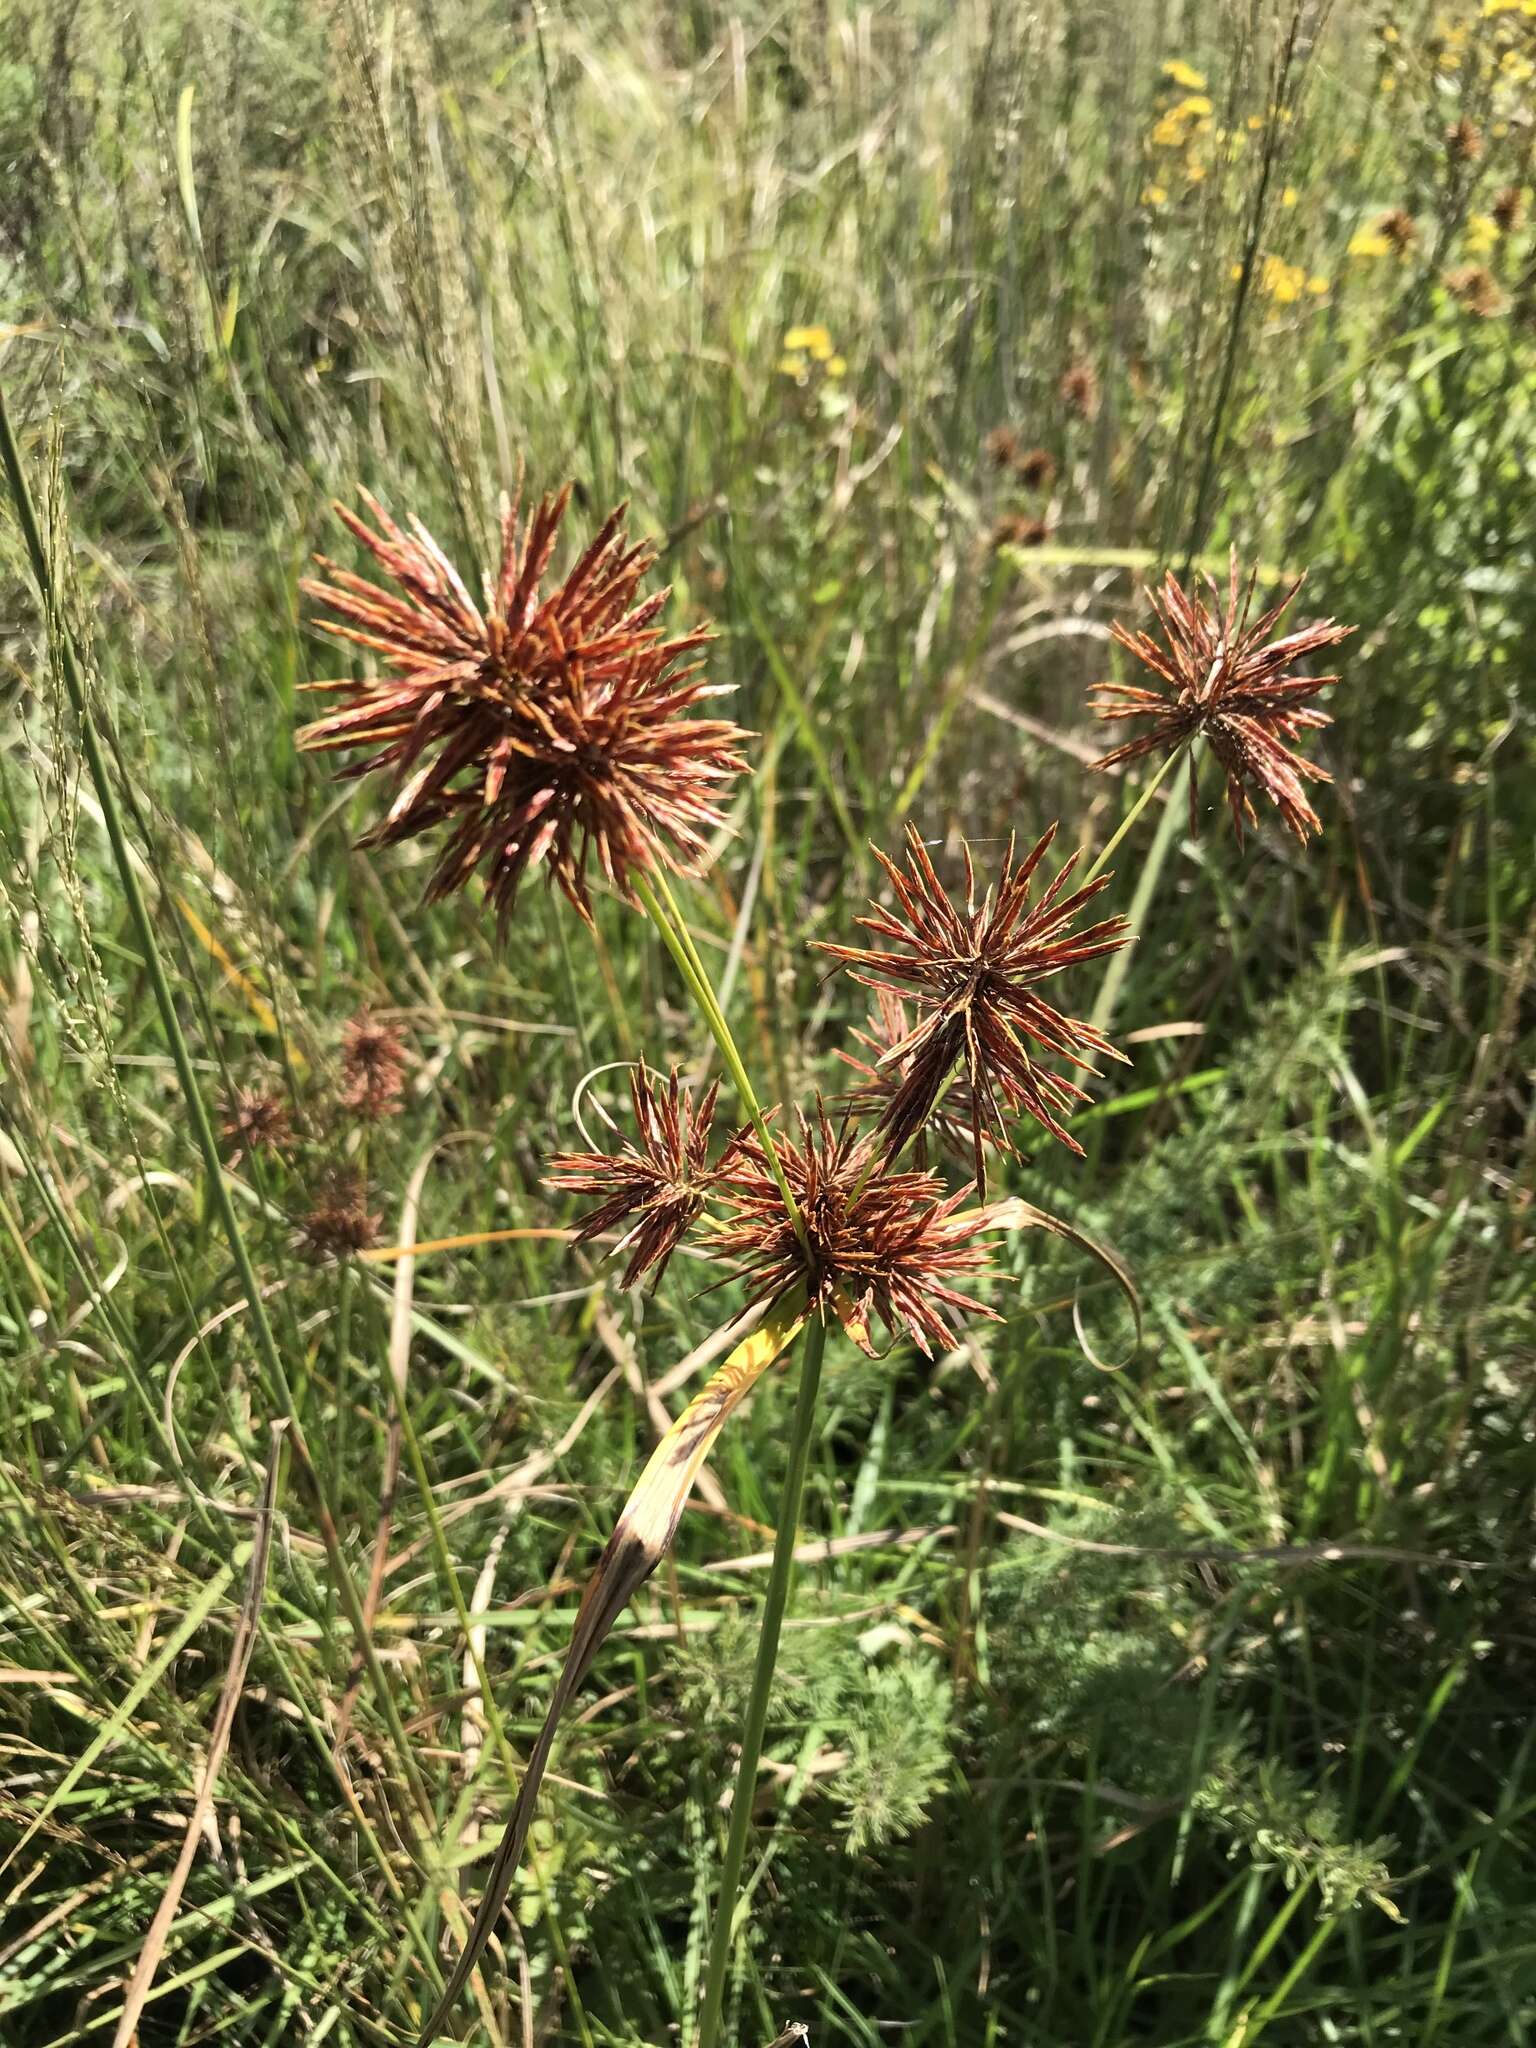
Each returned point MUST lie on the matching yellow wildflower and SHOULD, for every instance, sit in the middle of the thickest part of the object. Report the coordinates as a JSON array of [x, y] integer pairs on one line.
[[1317, 286], [1153, 195], [1289, 196], [1194, 170], [837, 366], [1369, 242], [1283, 282], [1184, 74], [812, 340], [1482, 233], [791, 365]]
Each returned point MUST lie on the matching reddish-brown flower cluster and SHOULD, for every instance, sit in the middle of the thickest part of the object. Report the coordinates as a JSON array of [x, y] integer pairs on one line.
[[1223, 677], [1035, 469], [973, 972], [1508, 208], [1019, 530], [254, 1120], [663, 1181], [872, 1241], [535, 728], [1463, 142], [1400, 229], [372, 1067], [339, 1223]]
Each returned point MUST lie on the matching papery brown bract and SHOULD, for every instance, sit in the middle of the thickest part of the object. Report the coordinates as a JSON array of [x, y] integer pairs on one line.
[[876, 1241], [532, 728], [1224, 677], [971, 969], [1475, 288], [662, 1181]]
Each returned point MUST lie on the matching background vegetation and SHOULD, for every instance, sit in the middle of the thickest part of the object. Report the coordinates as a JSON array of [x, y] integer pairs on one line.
[[1186, 1703]]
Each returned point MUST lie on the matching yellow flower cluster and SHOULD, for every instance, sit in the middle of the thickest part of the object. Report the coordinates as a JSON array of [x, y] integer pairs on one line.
[[1285, 282], [806, 349]]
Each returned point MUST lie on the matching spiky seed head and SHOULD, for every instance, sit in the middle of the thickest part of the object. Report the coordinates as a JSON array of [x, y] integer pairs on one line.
[[1230, 678], [876, 1241], [254, 1120], [1476, 289], [339, 1223], [1079, 390], [662, 1178], [972, 970], [534, 728], [1035, 469]]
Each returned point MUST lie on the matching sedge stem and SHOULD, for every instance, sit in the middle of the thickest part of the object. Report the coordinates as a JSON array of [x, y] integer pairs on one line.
[[722, 1932], [1146, 883], [693, 972], [1146, 796]]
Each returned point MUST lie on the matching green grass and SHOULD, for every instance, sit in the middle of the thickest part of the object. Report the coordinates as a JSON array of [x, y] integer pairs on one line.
[[1180, 1703]]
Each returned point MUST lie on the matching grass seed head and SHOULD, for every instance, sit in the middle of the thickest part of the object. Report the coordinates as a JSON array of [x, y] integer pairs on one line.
[[372, 1067], [535, 728], [339, 1223], [254, 1120]]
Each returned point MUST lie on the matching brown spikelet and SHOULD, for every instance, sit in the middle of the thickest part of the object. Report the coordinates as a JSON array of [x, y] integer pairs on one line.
[[339, 1222], [876, 1241], [1508, 208], [534, 728], [1018, 530], [254, 1120], [1001, 446], [662, 1180], [953, 1118], [1463, 142], [1221, 675], [1035, 469], [1079, 390], [1399, 228], [972, 969], [1476, 290]]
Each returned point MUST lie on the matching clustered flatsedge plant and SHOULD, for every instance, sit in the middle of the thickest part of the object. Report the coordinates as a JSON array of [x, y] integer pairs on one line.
[[557, 730]]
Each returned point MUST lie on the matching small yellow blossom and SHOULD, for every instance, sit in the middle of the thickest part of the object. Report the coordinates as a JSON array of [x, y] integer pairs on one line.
[[1283, 282], [1388, 81], [1482, 234], [813, 340], [1515, 65], [837, 366], [1317, 286], [1153, 195], [1289, 196], [1255, 123], [792, 366], [1389, 34], [1185, 75], [1194, 170], [1369, 242]]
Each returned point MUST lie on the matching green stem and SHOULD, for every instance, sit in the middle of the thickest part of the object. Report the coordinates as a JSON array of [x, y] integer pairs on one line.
[[197, 1110], [674, 937], [1146, 796], [722, 1932], [1162, 845]]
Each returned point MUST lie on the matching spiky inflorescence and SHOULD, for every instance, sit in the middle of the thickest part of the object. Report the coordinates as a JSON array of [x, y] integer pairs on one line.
[[536, 728], [339, 1222], [949, 1123], [1399, 228], [1221, 675], [972, 971], [372, 1067], [662, 1181], [1035, 469], [875, 1241], [254, 1120], [1463, 142]]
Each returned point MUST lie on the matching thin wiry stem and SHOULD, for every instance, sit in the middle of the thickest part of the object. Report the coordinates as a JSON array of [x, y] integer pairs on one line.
[[721, 1938], [680, 946], [1102, 860]]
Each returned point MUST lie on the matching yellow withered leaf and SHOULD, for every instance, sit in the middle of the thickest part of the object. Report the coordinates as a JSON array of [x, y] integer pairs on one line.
[[639, 1542]]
